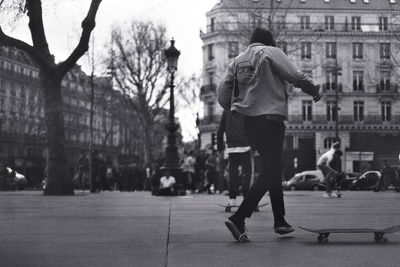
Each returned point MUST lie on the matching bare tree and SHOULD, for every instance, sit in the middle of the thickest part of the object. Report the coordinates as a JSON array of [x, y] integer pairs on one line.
[[51, 75], [188, 96], [139, 67]]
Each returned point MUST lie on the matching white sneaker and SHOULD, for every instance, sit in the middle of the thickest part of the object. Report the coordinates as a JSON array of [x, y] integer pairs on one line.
[[232, 202], [328, 195]]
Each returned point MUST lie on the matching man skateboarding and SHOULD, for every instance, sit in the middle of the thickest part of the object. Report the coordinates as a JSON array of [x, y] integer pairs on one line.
[[255, 88], [324, 165]]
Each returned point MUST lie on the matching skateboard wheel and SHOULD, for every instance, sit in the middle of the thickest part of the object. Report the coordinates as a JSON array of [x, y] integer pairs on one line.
[[228, 209]]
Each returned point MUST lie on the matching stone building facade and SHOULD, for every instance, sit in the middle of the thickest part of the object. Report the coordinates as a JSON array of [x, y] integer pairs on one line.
[[348, 47], [22, 131]]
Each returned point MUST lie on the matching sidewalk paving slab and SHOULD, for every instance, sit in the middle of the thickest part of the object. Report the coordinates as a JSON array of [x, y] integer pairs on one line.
[[138, 229]]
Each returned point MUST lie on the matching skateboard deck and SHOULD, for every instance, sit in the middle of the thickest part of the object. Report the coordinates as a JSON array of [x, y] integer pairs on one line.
[[229, 208], [323, 234]]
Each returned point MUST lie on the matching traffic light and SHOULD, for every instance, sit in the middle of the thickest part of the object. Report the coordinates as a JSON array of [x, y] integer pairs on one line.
[[213, 140]]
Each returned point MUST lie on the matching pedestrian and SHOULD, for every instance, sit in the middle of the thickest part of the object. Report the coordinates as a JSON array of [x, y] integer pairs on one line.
[[211, 172], [167, 185], [255, 88], [188, 172], [239, 152], [200, 171], [324, 164], [82, 171]]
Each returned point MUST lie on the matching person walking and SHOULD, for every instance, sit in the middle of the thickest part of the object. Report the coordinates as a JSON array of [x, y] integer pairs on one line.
[[188, 172], [324, 164], [255, 88], [239, 151], [211, 172]]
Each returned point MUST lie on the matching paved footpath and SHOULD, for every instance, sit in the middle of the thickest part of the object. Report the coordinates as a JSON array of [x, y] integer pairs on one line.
[[137, 229]]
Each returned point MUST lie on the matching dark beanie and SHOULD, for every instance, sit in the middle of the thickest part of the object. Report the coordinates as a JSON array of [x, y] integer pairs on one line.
[[263, 36]]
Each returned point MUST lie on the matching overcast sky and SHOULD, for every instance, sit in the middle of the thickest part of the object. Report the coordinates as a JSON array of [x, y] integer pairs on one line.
[[182, 18]]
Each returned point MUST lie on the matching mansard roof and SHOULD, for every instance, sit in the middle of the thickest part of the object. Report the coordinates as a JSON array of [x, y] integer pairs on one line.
[[371, 5]]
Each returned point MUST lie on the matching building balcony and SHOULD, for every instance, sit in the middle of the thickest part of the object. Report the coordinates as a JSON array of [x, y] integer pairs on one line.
[[19, 77], [299, 28], [344, 119], [209, 89], [210, 119], [387, 89], [332, 87]]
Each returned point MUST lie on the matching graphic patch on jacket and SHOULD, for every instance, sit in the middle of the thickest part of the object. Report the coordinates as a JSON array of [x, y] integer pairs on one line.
[[246, 71]]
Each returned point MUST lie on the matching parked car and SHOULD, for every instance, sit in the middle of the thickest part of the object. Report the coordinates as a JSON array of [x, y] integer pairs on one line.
[[20, 180], [366, 181], [306, 180], [349, 177]]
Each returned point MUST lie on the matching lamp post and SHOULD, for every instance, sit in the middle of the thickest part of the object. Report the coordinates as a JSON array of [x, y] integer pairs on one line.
[[171, 152]]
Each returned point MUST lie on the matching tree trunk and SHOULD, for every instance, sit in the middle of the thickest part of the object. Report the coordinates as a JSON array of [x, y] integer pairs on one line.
[[59, 177]]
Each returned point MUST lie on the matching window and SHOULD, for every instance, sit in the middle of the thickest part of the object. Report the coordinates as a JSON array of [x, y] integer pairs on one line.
[[358, 77], [282, 45], [307, 110], [356, 23], [329, 141], [211, 79], [212, 24], [329, 23], [2, 86], [2, 105], [383, 23], [330, 50], [306, 50], [233, 49], [330, 111], [281, 23], [358, 111], [357, 50], [210, 52], [386, 110], [22, 94], [385, 81], [330, 81], [211, 110], [12, 90], [384, 50], [305, 22]]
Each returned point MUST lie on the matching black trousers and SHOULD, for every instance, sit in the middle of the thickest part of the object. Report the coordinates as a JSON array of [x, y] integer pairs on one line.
[[236, 160], [266, 136]]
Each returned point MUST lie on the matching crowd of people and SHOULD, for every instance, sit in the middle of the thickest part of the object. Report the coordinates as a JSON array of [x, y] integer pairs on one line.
[[201, 172]]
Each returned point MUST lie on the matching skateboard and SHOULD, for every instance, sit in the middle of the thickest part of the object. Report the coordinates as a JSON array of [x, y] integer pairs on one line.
[[229, 208], [333, 195], [378, 233]]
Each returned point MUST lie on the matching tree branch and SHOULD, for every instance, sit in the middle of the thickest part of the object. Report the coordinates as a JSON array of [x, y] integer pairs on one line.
[[34, 8], [88, 25], [6, 40]]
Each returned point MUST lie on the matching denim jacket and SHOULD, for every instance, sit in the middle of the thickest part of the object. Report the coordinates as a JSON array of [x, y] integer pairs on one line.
[[256, 82]]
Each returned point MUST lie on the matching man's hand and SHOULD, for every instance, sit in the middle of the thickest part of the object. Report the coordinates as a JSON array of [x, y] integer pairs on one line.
[[317, 97]]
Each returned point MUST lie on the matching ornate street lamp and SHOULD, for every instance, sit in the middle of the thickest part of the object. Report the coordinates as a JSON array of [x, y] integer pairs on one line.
[[171, 151]]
